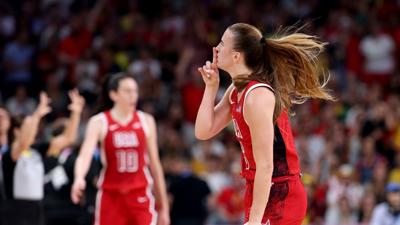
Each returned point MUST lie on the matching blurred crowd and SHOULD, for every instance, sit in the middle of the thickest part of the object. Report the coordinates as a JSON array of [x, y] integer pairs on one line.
[[349, 149]]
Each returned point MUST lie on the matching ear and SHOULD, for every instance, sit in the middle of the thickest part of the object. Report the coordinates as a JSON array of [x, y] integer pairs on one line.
[[113, 95], [236, 57]]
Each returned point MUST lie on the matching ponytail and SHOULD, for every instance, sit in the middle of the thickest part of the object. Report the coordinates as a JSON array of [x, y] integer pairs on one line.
[[289, 63]]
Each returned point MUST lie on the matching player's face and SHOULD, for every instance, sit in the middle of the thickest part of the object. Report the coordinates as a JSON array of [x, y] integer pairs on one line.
[[126, 94], [226, 54]]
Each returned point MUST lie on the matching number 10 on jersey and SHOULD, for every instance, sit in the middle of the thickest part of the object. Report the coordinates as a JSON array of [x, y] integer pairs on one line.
[[127, 161]]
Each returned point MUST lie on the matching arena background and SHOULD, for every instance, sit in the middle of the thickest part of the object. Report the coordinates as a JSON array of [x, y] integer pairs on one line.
[[349, 149]]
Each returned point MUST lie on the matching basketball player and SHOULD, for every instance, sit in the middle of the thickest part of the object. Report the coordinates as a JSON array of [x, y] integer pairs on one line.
[[128, 149], [268, 75]]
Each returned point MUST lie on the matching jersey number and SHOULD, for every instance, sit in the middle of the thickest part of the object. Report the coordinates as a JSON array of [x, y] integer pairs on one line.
[[127, 162]]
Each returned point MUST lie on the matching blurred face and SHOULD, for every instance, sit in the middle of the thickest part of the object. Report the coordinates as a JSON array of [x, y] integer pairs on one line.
[[227, 57], [126, 95], [4, 121], [21, 93], [368, 146], [394, 199]]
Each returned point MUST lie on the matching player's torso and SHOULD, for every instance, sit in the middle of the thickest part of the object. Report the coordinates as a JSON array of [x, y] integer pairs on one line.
[[124, 154], [284, 148]]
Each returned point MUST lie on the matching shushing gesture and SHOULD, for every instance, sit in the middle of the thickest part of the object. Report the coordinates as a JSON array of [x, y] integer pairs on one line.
[[209, 71]]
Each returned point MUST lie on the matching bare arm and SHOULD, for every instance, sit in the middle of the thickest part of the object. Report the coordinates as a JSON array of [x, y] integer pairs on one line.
[[157, 171], [68, 137], [211, 120], [26, 137], [84, 159], [29, 128], [258, 112]]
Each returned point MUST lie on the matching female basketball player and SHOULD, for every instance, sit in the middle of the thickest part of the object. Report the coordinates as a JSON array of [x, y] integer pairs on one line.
[[128, 148], [268, 75]]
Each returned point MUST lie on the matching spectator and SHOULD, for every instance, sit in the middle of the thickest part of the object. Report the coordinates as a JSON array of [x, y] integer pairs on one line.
[[17, 58], [24, 171], [228, 203], [388, 212], [20, 104], [343, 197], [378, 51], [57, 203], [189, 196]]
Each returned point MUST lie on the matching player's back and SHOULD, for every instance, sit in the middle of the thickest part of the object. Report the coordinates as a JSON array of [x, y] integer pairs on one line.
[[124, 154]]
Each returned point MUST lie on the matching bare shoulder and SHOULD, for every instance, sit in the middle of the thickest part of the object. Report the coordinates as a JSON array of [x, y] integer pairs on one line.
[[260, 96], [259, 103], [96, 121], [149, 124], [149, 118], [95, 118]]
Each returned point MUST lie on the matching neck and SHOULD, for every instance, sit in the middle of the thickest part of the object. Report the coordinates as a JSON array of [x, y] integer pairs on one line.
[[122, 112], [239, 70]]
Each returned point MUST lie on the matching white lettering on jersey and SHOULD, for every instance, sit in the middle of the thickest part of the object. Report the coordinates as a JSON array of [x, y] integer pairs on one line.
[[237, 130], [125, 139], [246, 161]]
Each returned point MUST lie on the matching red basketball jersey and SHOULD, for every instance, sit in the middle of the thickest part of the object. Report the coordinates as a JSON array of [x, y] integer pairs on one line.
[[124, 154], [286, 161]]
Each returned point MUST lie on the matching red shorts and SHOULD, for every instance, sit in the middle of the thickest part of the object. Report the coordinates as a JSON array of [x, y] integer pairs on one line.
[[287, 203], [132, 208]]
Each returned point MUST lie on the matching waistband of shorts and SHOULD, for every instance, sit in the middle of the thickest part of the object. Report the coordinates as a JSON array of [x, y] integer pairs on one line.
[[289, 177]]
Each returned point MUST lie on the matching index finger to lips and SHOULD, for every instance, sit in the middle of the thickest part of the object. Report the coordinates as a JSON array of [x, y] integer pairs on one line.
[[215, 55]]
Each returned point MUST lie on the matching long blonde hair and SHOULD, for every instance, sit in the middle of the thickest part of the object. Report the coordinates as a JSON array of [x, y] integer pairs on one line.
[[288, 62]]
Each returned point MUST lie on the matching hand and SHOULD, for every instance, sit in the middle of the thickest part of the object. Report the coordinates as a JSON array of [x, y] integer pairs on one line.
[[209, 71], [43, 107], [77, 101], [77, 190], [163, 218]]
